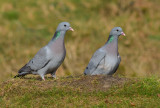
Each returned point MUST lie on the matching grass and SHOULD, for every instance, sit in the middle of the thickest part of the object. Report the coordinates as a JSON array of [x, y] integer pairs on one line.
[[11, 15], [143, 93], [139, 93]]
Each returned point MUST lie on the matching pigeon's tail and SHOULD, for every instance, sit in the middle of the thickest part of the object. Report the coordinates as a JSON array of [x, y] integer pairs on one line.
[[16, 76], [23, 71], [21, 74]]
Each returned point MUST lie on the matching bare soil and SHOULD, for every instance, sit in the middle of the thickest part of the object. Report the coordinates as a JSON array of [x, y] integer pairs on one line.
[[87, 83], [94, 83]]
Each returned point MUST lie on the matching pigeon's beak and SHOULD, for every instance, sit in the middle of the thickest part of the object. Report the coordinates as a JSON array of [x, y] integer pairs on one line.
[[70, 28], [122, 33]]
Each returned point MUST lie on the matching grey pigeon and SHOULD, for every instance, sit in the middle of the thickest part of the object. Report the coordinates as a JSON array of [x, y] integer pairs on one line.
[[50, 57], [106, 59]]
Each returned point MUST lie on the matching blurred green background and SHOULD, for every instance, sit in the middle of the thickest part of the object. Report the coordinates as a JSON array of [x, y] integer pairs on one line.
[[28, 25]]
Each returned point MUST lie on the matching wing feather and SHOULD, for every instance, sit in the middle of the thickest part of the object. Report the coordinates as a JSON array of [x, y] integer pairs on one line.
[[94, 62], [39, 61]]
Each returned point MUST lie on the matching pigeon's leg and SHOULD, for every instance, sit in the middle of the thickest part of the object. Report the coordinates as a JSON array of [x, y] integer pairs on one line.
[[42, 76], [53, 74]]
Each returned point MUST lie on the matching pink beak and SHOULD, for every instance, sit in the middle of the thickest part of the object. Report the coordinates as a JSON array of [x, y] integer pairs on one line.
[[70, 28], [122, 33]]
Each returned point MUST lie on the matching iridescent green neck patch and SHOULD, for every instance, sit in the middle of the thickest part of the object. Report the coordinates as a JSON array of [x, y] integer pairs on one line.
[[110, 39], [57, 35]]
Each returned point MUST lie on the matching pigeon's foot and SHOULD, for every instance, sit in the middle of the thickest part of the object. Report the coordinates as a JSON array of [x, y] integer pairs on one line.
[[54, 76], [43, 79], [42, 76]]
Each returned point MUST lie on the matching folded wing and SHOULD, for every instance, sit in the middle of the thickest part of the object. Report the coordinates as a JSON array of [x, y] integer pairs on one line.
[[94, 62]]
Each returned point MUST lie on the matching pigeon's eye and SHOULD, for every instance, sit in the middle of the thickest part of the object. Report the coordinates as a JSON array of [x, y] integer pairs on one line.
[[117, 30], [64, 25]]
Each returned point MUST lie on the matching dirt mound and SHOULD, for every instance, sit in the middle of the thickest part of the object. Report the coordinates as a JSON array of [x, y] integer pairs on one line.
[[88, 83], [94, 83]]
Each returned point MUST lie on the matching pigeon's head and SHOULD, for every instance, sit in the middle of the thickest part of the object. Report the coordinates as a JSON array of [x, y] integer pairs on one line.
[[64, 26], [117, 31]]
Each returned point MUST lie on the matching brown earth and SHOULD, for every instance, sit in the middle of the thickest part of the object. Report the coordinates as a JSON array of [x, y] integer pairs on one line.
[[87, 83], [94, 83]]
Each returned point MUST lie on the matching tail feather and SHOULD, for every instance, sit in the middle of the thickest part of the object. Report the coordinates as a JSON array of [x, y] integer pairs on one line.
[[25, 68], [23, 71], [21, 74]]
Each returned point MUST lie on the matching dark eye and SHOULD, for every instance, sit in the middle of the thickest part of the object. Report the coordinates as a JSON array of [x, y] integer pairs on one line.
[[64, 25], [117, 30]]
